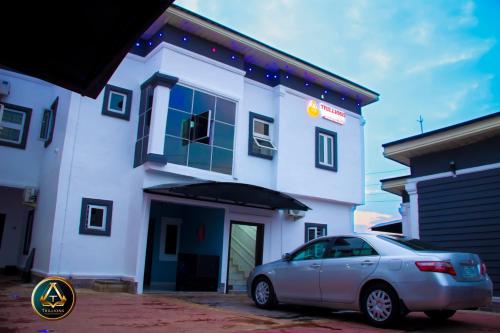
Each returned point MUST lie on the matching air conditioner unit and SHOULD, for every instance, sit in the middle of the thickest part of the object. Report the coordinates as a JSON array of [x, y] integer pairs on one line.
[[295, 213], [29, 196]]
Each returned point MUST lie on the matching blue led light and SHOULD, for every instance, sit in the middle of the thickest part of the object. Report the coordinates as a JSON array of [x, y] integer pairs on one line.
[[250, 69], [359, 104], [160, 34], [286, 77], [275, 76], [326, 91], [137, 44], [307, 84], [233, 57], [267, 75], [150, 43], [343, 98], [184, 39]]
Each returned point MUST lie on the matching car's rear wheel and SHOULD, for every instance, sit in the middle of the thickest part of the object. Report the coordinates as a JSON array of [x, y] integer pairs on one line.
[[263, 293], [440, 314], [380, 305]]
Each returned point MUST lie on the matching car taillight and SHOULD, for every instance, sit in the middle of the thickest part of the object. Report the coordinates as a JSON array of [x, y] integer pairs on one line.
[[436, 266], [483, 268]]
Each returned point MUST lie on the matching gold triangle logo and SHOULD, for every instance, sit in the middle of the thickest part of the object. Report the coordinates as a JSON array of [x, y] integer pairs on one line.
[[53, 296]]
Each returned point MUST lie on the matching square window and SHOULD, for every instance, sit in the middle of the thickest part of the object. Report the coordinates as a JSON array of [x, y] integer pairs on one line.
[[326, 149], [117, 102], [314, 230], [14, 125], [260, 141], [96, 217]]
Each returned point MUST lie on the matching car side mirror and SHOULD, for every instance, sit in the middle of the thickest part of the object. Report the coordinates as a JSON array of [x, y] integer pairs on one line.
[[286, 257]]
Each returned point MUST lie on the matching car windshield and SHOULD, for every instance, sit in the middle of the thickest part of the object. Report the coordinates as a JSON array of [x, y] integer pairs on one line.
[[411, 243]]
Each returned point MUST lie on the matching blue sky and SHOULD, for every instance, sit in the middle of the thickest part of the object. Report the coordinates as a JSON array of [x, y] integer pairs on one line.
[[438, 59]]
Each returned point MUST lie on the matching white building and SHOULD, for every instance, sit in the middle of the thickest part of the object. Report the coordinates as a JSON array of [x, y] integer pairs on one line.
[[181, 174]]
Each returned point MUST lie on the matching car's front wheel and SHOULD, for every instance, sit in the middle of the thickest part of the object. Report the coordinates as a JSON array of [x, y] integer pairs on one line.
[[440, 314], [380, 305], [263, 293]]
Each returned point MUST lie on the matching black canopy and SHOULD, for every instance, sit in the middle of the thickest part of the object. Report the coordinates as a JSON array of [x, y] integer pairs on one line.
[[74, 44], [231, 193]]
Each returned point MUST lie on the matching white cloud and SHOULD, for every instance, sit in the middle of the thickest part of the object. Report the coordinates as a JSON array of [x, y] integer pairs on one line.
[[467, 17], [192, 5], [363, 220], [452, 58], [380, 61], [421, 33]]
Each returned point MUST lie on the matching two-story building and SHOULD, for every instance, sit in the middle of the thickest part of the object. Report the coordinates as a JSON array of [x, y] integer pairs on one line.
[[207, 153]]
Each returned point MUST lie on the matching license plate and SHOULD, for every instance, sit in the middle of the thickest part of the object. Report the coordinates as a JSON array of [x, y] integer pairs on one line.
[[469, 271]]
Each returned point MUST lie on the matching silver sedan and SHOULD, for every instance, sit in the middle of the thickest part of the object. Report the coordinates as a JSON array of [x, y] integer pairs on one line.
[[383, 276]]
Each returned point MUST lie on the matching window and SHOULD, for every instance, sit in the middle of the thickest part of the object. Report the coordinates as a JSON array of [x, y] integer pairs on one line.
[[260, 136], [314, 230], [117, 102], [96, 217], [200, 130], [27, 233], [48, 123], [314, 251], [14, 125], [326, 149], [170, 232], [351, 247], [145, 109], [410, 243]]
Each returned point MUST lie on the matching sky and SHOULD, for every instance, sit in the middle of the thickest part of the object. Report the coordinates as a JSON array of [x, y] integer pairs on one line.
[[435, 59]]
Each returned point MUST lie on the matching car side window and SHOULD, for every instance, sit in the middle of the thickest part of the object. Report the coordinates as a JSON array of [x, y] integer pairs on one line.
[[351, 247], [313, 251]]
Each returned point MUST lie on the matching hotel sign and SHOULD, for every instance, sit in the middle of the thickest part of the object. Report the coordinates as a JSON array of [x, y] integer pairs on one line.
[[326, 111]]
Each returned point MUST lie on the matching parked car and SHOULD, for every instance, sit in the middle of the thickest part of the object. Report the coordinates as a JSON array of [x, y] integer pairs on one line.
[[383, 276]]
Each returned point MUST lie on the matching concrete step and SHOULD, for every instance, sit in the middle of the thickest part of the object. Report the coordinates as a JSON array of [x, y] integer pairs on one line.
[[112, 286]]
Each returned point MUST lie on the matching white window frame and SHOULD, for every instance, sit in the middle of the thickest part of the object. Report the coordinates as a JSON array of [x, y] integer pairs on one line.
[[263, 137], [326, 137], [10, 125], [163, 236], [124, 106], [104, 217]]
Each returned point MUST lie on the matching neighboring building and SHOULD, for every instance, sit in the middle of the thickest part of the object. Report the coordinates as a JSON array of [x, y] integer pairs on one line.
[[207, 153], [394, 227], [452, 197]]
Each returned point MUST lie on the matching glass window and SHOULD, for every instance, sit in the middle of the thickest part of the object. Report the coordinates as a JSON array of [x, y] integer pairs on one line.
[[143, 125], [413, 244], [222, 160], [261, 144], [223, 135], [326, 145], [314, 251], [176, 150], [96, 217], [178, 123], [351, 247], [46, 123], [196, 134], [199, 155], [14, 122], [226, 111], [117, 102], [181, 98], [203, 102], [261, 128], [314, 230]]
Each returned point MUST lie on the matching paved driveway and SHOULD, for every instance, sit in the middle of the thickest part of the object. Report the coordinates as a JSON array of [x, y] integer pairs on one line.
[[206, 313]]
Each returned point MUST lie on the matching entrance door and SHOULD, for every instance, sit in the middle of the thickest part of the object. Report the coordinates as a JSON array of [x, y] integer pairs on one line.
[[245, 252]]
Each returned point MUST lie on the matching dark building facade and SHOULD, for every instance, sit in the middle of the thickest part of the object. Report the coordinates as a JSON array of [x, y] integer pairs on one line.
[[452, 196]]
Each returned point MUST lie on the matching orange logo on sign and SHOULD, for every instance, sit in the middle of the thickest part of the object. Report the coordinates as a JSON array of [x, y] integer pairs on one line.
[[312, 109]]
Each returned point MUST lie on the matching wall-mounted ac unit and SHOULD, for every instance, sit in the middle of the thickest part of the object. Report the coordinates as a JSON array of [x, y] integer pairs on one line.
[[30, 196], [295, 213]]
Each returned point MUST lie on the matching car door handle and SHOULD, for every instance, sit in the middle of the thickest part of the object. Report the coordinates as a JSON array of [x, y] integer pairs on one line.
[[315, 266], [367, 263]]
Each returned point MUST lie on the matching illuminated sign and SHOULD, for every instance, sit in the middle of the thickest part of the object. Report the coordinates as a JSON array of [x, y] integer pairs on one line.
[[330, 113], [327, 111]]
